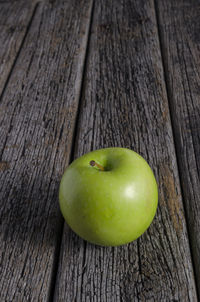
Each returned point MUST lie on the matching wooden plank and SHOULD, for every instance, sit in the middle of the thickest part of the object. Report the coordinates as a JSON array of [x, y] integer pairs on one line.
[[14, 21], [125, 104], [179, 30], [38, 112]]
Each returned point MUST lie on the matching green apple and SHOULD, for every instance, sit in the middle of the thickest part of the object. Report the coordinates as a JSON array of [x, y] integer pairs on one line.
[[109, 197]]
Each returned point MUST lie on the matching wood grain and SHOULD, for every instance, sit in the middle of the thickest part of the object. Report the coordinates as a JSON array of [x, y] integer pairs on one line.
[[37, 117], [179, 31], [124, 103], [14, 21]]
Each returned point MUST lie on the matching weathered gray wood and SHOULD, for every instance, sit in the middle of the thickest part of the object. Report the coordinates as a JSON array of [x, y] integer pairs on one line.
[[14, 20], [125, 104], [38, 111], [179, 23]]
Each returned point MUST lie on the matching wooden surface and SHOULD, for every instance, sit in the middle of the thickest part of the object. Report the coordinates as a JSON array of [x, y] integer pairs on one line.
[[124, 104], [38, 112], [15, 18], [77, 76], [180, 36]]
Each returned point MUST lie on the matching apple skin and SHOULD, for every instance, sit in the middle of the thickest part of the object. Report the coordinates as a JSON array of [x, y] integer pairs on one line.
[[111, 207]]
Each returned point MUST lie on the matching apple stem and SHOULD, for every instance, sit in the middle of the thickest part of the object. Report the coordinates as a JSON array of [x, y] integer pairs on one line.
[[93, 163]]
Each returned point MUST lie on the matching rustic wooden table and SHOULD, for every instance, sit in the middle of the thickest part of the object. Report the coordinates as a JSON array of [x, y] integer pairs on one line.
[[77, 76]]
